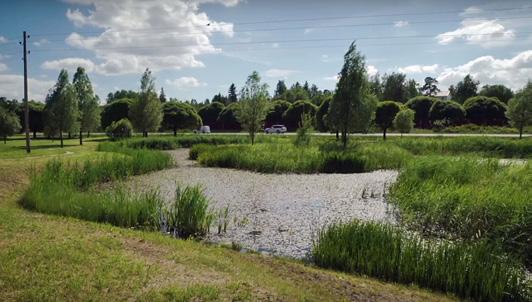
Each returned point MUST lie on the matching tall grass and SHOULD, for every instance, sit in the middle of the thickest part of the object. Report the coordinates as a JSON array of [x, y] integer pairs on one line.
[[184, 141], [283, 157], [188, 215], [469, 198], [467, 270]]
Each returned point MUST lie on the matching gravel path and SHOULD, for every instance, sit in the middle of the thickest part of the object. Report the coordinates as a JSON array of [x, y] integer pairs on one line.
[[278, 213]]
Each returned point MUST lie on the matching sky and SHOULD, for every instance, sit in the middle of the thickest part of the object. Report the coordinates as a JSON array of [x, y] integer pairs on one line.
[[197, 48]]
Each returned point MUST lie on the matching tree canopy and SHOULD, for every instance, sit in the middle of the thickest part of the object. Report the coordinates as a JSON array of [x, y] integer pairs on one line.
[[421, 106], [404, 120], [9, 123], [385, 115], [145, 112], [482, 110], [352, 104], [520, 109], [501, 92], [177, 116], [89, 112], [253, 105], [447, 113], [292, 116], [464, 90]]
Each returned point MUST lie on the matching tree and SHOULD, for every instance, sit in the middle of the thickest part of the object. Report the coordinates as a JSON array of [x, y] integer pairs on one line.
[[447, 113], [520, 109], [385, 114], [146, 113], [395, 87], [280, 90], [323, 109], [115, 111], [122, 94], [501, 92], [253, 105], [421, 106], [162, 96], [228, 118], [412, 89], [352, 104], [209, 114], [61, 108], [219, 98], [430, 88], [231, 96], [178, 115], [464, 89], [482, 110], [375, 86], [89, 112], [404, 120], [36, 117], [292, 116], [275, 114], [304, 131], [9, 123]]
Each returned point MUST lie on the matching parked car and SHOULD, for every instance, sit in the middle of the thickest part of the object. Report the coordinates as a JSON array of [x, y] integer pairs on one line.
[[275, 129], [203, 129]]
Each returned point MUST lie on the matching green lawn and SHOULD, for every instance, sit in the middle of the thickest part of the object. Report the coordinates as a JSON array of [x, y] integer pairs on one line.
[[50, 258]]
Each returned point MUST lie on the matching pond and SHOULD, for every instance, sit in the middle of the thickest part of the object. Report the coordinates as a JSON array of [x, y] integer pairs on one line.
[[278, 214]]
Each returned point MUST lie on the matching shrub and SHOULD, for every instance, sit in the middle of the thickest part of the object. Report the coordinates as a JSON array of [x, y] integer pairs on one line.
[[383, 251], [304, 132], [119, 129], [323, 110], [292, 116], [421, 106], [342, 162], [404, 120], [448, 113], [483, 110], [188, 216], [115, 111]]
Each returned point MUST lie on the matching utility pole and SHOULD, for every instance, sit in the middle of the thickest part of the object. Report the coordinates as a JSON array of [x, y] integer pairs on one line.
[[26, 105]]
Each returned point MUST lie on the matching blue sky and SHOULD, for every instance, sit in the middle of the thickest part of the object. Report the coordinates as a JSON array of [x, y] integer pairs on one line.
[[197, 48]]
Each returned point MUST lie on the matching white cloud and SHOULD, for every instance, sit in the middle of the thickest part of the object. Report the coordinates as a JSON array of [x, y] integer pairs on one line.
[[333, 78], [513, 72], [325, 58], [41, 42], [275, 45], [472, 10], [280, 73], [12, 86], [164, 34], [185, 82], [487, 33], [419, 68], [3, 40], [3, 67], [309, 30], [70, 64], [371, 70], [400, 24]]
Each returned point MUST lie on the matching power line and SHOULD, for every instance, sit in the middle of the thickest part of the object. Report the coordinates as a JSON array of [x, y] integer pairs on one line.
[[214, 44]]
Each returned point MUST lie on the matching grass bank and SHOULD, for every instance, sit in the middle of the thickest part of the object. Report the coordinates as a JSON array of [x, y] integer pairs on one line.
[[469, 198], [284, 157], [474, 271], [50, 258]]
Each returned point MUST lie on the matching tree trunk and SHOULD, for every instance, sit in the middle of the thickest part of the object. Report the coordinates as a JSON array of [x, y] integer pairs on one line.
[[521, 132], [175, 131], [344, 138], [88, 134], [69, 135], [337, 135], [61, 137], [80, 137], [384, 134], [252, 138], [34, 134], [5, 139]]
